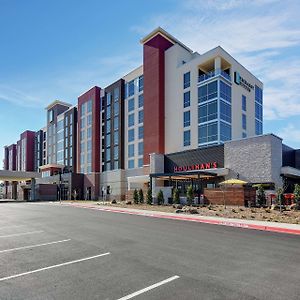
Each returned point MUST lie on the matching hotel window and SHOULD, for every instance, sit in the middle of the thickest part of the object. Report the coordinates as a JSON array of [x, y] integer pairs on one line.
[[131, 150], [244, 105], [186, 118], [244, 135], [141, 148], [116, 152], [131, 135], [131, 88], [208, 111], [116, 94], [258, 127], [130, 120], [108, 126], [225, 111], [116, 123], [108, 99], [141, 132], [187, 138], [140, 162], [107, 140], [108, 110], [89, 120], [108, 166], [83, 109], [208, 91], [244, 121], [225, 132], [130, 163], [89, 106], [141, 83], [186, 99], [89, 158], [116, 164], [89, 132], [51, 115], [116, 109], [141, 116], [130, 104], [186, 80], [82, 124], [141, 100], [225, 91], [208, 133], [116, 138], [107, 158], [89, 145]]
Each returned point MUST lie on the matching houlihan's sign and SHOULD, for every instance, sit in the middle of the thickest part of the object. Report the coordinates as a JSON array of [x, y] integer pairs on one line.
[[238, 79], [204, 166]]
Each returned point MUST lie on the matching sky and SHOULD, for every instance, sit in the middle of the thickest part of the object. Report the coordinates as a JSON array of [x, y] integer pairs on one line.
[[58, 49]]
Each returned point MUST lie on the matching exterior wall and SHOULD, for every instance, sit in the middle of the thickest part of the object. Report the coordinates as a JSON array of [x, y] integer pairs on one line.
[[154, 95], [27, 151], [133, 76], [38, 149], [256, 160]]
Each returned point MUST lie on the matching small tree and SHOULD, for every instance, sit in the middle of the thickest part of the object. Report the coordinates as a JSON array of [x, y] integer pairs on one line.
[[149, 197], [297, 195], [261, 196], [190, 195], [135, 197], [75, 194], [160, 197], [279, 198], [176, 199], [141, 196]]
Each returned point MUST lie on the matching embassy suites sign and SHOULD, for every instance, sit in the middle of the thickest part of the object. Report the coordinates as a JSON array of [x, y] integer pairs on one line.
[[239, 80], [202, 166]]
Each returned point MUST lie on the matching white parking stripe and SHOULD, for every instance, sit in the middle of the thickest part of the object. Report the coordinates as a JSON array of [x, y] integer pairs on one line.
[[11, 226], [34, 246], [151, 287], [54, 266], [19, 234]]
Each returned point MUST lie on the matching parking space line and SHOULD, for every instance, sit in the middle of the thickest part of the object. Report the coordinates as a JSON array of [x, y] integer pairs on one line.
[[53, 266], [19, 234], [33, 246], [151, 287], [11, 226]]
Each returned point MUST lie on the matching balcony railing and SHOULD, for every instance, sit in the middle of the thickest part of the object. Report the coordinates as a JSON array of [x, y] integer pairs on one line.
[[214, 73]]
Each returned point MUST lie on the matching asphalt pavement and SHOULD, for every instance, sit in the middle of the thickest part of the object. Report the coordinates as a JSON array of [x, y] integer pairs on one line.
[[58, 252]]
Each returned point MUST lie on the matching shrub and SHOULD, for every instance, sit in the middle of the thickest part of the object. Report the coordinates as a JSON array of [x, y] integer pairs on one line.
[[176, 199], [141, 196], [135, 197], [297, 195], [160, 197], [190, 195], [149, 197], [279, 197], [261, 196]]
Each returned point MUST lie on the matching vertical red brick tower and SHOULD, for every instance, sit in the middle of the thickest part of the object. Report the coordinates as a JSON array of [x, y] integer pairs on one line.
[[155, 45]]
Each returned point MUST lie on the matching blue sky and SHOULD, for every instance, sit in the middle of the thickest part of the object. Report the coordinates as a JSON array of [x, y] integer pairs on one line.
[[58, 49]]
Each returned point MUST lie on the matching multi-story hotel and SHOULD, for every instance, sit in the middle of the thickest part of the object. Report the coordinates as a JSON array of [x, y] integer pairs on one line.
[[180, 117]]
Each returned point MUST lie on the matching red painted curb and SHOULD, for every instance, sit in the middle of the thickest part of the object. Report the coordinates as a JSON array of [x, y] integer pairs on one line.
[[191, 219]]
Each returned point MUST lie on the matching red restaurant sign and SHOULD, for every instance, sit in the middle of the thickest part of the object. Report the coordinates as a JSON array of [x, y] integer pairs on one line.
[[204, 166]]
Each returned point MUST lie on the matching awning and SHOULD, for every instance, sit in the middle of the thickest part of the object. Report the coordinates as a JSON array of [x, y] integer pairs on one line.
[[290, 172], [7, 175]]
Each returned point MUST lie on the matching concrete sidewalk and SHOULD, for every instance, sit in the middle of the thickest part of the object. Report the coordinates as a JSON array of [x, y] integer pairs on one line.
[[248, 224]]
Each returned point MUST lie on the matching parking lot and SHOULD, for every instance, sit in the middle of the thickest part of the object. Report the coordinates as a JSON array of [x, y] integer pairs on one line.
[[53, 252]]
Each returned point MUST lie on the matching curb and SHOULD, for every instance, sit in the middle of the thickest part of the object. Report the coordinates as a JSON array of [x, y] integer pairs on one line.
[[192, 219]]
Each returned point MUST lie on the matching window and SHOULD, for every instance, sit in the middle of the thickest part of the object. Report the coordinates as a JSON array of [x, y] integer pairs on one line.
[[82, 135], [108, 126], [131, 150], [130, 104], [82, 124], [141, 83], [89, 106], [116, 138], [141, 148], [116, 94], [141, 100], [141, 116], [107, 154], [258, 111], [108, 110], [244, 121], [108, 166], [116, 152], [258, 127], [208, 133], [244, 135], [186, 99], [89, 145], [83, 106], [141, 132], [244, 105], [208, 112], [187, 138], [89, 120], [225, 131], [130, 120], [116, 123], [258, 95], [51, 115], [107, 140], [186, 118], [225, 111], [116, 164], [208, 91], [130, 135], [89, 157], [131, 88], [225, 91], [186, 80], [60, 125], [108, 99], [89, 132], [116, 108], [140, 162], [130, 163]]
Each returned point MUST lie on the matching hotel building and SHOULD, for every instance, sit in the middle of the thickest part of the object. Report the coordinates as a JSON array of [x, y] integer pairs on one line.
[[180, 117]]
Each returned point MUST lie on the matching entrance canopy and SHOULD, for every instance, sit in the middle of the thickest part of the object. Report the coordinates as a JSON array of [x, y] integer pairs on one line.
[[6, 175]]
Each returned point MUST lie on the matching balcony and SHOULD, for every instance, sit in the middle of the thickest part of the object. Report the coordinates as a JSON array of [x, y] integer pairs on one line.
[[212, 74]]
